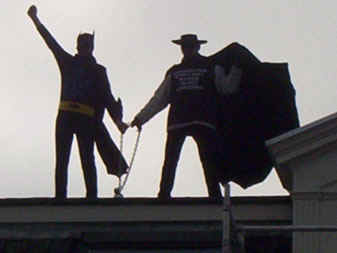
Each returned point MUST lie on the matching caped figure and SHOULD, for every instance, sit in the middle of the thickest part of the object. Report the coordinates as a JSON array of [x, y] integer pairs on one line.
[[191, 88], [85, 93]]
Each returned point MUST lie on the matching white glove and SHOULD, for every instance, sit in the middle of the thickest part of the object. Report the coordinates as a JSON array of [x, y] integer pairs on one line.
[[227, 84]]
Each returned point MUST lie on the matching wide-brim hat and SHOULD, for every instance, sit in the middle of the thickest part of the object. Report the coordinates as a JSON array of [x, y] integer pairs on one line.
[[189, 39]]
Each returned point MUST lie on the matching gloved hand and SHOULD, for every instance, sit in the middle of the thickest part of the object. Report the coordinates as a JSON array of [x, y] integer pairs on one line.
[[32, 12], [230, 83], [136, 122], [121, 126]]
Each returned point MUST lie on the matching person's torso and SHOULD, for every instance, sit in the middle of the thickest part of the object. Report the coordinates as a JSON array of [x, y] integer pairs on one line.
[[80, 81], [192, 95]]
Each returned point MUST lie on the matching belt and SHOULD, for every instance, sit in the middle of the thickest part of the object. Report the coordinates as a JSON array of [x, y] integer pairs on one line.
[[77, 107]]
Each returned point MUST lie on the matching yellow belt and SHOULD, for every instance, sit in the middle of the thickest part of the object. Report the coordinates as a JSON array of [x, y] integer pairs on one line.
[[76, 107]]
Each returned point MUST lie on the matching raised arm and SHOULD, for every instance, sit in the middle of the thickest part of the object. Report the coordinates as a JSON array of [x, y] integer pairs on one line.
[[46, 35]]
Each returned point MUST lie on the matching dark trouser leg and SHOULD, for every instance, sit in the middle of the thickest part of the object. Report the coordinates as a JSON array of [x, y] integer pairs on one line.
[[209, 152], [64, 138], [85, 140], [174, 142]]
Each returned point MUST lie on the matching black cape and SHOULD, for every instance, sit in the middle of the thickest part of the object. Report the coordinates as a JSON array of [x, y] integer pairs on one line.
[[112, 157], [264, 108]]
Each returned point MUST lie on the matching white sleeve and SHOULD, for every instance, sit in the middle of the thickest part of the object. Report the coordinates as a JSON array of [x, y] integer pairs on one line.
[[158, 102], [227, 84]]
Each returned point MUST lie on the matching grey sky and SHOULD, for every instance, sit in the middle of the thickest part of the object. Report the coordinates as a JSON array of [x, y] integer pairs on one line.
[[133, 42]]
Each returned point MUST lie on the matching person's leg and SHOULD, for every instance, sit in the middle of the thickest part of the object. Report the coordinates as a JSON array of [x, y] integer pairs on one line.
[[64, 138], [174, 143], [85, 140], [209, 153]]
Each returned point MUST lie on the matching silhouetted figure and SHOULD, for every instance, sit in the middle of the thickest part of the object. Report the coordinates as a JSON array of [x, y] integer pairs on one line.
[[191, 90], [85, 93]]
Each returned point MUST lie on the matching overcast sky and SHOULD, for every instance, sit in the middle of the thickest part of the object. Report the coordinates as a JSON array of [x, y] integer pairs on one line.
[[133, 42]]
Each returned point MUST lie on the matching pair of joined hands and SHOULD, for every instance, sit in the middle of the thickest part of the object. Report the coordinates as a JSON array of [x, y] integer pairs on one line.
[[122, 126]]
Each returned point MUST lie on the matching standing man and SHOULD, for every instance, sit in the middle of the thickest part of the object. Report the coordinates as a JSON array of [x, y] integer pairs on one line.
[[85, 92], [191, 90]]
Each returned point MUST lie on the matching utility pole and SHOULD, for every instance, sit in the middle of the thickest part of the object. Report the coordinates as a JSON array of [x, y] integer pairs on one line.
[[226, 226]]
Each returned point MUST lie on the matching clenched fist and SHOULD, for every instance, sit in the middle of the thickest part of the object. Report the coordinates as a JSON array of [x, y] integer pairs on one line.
[[32, 11]]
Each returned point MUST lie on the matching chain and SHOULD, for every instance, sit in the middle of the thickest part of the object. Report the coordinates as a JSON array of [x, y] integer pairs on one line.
[[121, 185], [121, 141]]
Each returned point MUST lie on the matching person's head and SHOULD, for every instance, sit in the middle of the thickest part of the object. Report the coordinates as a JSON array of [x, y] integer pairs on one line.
[[85, 44], [190, 45]]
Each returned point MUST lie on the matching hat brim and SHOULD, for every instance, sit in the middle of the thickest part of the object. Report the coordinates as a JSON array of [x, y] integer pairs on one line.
[[197, 42]]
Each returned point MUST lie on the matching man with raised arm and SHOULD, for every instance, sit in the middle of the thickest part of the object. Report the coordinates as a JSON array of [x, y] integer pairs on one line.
[[85, 93]]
